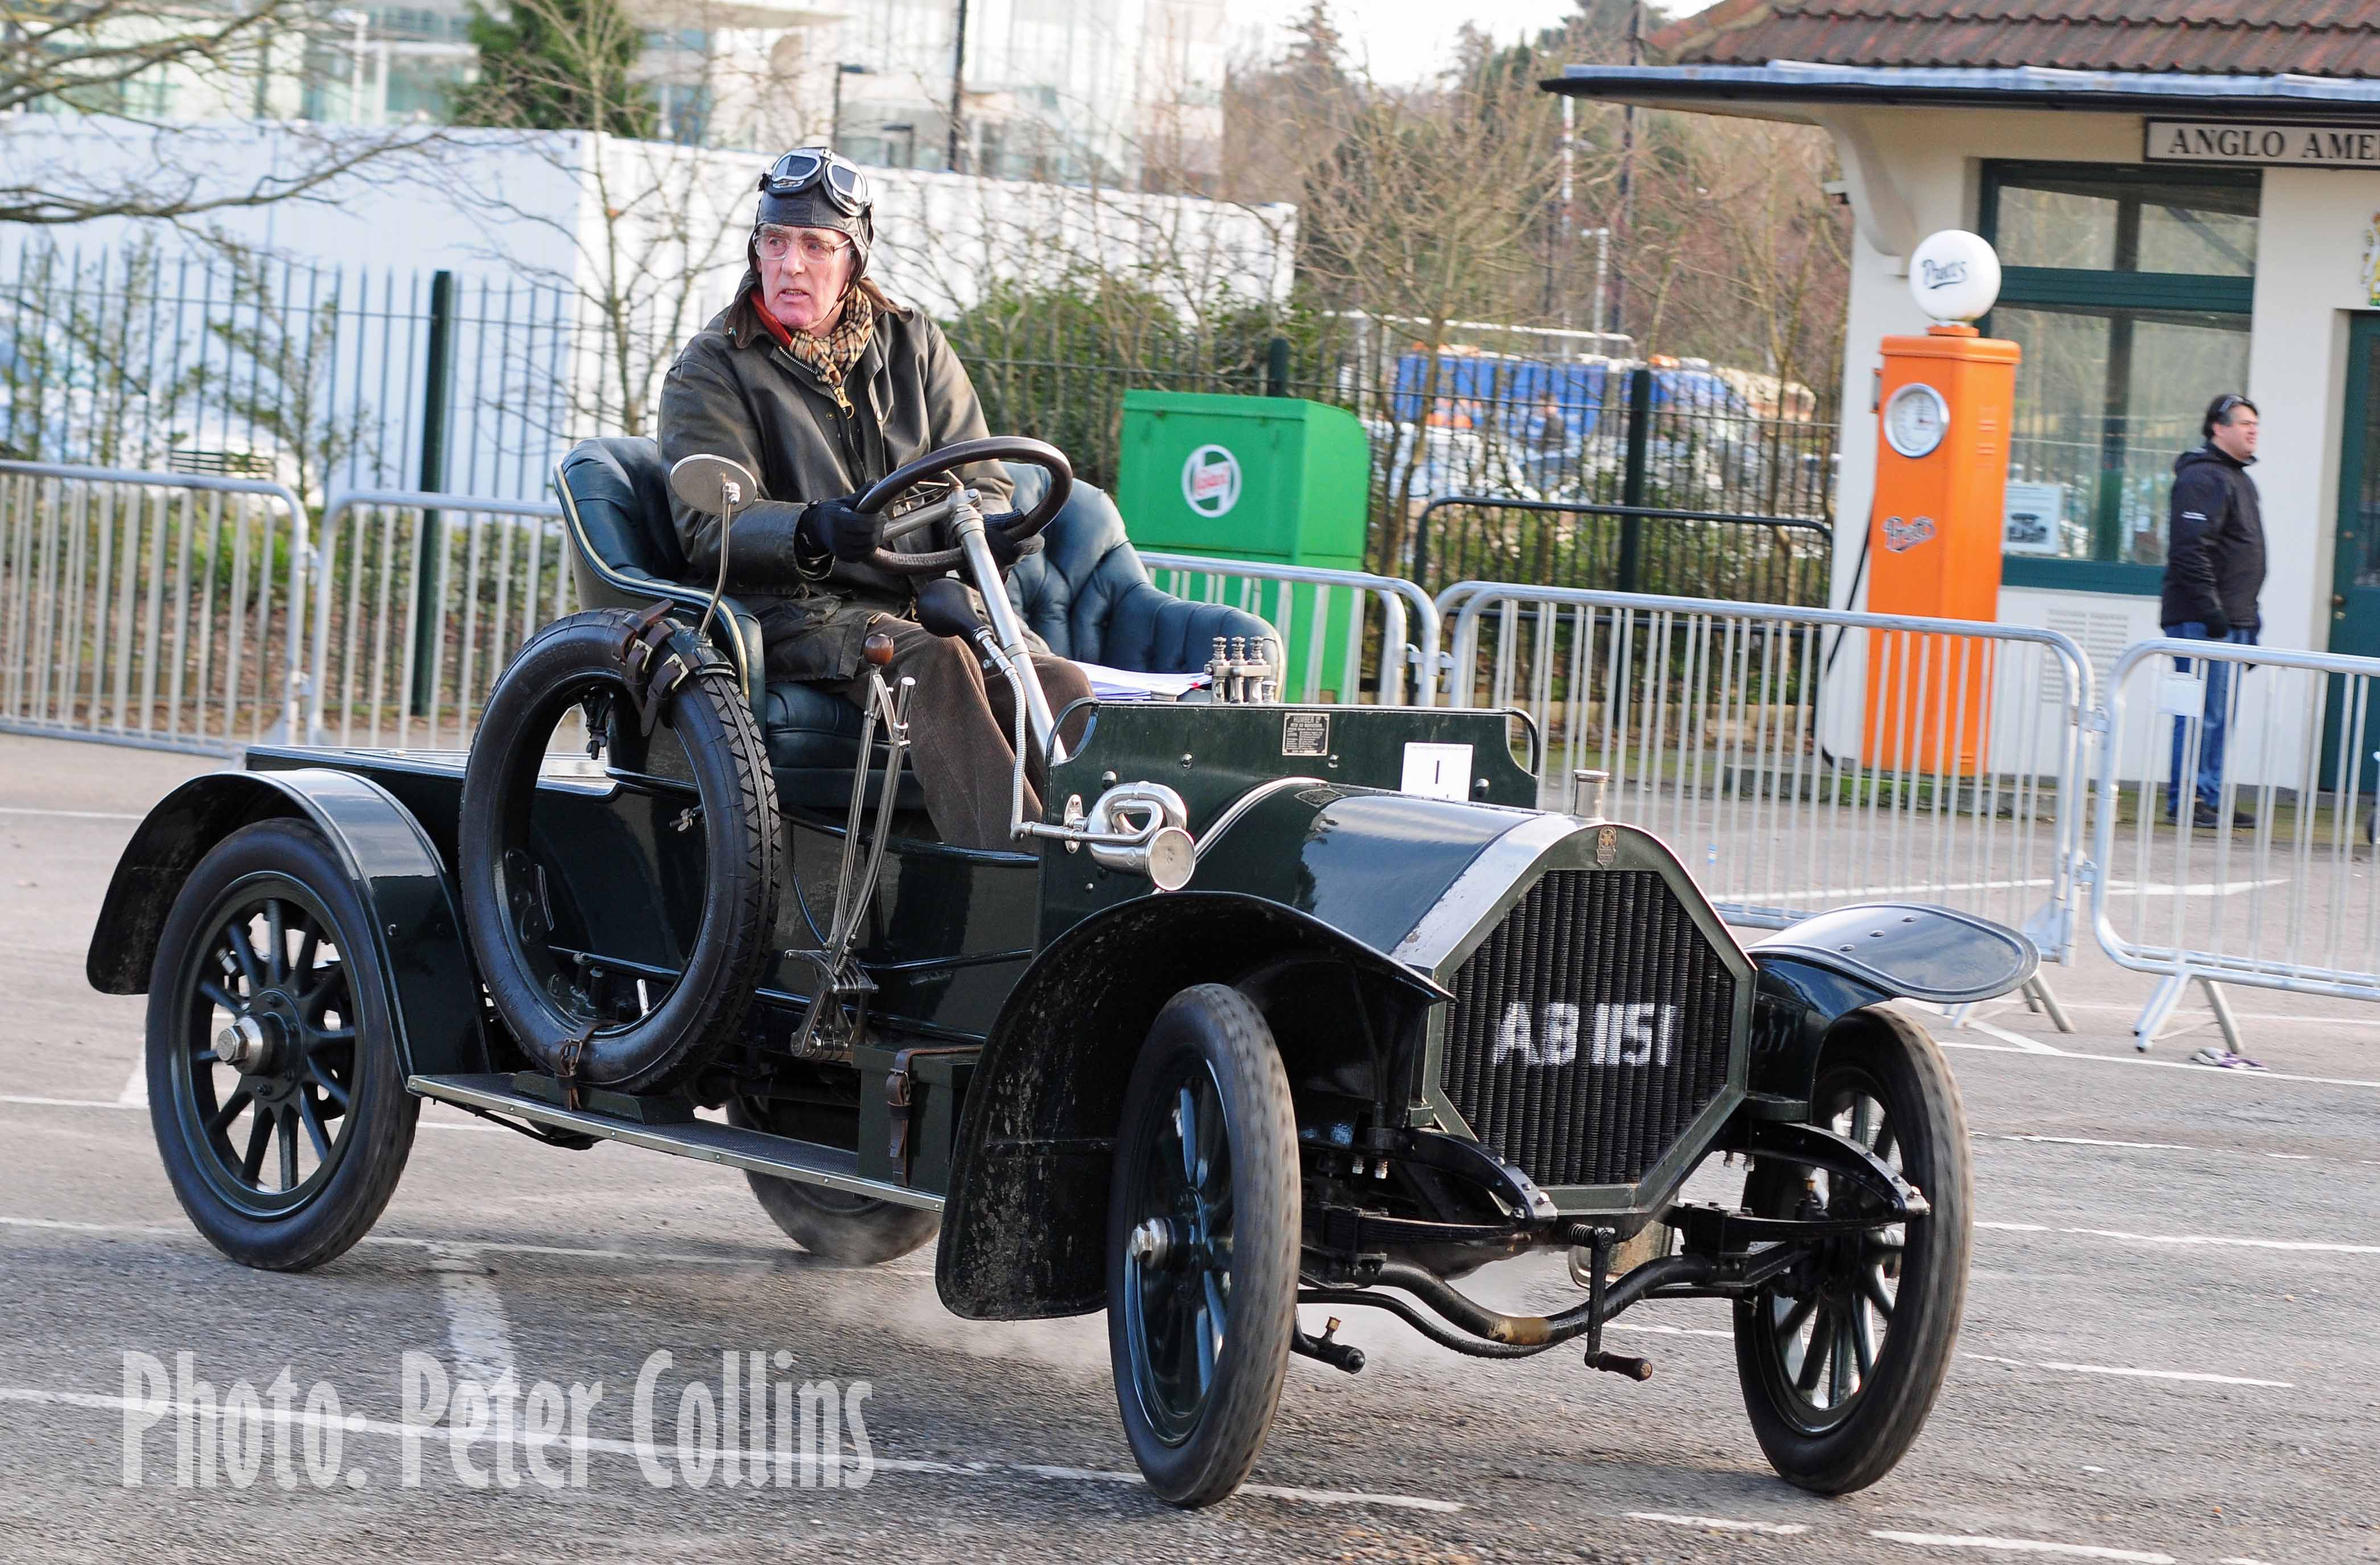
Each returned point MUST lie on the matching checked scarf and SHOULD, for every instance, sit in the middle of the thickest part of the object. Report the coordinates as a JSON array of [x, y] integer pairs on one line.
[[832, 355]]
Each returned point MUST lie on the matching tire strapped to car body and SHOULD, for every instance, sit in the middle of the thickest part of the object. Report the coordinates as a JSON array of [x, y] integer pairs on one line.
[[583, 656]]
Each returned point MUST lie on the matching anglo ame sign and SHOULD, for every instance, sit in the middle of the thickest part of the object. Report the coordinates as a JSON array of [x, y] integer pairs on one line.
[[2287, 143]]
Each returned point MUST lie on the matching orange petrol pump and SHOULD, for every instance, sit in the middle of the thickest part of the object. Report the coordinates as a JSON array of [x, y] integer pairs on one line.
[[1934, 543]]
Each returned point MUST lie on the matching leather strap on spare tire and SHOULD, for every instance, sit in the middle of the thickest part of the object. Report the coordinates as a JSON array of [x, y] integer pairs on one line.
[[521, 892]]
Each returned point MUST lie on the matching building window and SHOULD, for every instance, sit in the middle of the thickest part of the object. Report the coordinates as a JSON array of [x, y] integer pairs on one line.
[[2129, 290]]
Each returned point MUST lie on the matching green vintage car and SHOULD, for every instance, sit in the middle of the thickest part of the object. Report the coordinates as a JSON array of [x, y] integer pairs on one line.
[[1277, 1005]]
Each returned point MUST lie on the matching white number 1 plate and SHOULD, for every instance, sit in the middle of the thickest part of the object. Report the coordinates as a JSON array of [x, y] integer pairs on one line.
[[1437, 772]]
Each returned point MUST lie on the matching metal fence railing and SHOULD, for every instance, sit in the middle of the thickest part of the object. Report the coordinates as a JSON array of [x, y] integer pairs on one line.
[[1804, 758], [153, 608], [321, 376], [1346, 635], [1669, 551], [327, 376], [422, 599], [2263, 874]]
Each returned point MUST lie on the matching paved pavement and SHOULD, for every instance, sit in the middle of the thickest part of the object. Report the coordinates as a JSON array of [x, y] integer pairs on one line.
[[2171, 1348]]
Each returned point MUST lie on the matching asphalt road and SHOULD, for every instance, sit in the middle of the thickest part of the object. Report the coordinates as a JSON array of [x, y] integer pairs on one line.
[[2171, 1348]]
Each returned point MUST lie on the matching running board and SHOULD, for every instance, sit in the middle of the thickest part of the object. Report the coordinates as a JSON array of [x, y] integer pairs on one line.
[[705, 1140]]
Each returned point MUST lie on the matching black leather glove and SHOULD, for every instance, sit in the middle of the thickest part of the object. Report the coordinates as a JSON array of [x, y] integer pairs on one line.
[[837, 526], [1005, 553], [2217, 627]]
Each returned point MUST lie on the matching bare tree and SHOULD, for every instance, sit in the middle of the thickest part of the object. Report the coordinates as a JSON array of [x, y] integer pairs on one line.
[[83, 134], [651, 247], [1422, 204]]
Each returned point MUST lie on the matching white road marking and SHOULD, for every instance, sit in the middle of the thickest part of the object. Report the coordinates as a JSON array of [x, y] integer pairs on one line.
[[1275, 1491], [2192, 1240], [2053, 1366], [2030, 1045], [21, 1101], [2095, 1141], [2165, 1374], [753, 1456], [70, 814], [1717, 1523], [136, 1086], [2131, 1061], [2236, 1015], [2022, 1546], [136, 1231], [476, 1328]]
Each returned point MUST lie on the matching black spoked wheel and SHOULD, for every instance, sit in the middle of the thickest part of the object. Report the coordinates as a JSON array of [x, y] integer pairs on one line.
[[1202, 1245], [1841, 1358], [274, 1087], [833, 1225]]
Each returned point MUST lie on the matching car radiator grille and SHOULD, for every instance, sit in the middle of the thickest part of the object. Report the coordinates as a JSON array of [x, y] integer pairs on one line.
[[1589, 1029]]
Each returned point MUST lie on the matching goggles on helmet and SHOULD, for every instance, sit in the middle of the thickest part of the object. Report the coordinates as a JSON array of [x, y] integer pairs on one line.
[[804, 168]]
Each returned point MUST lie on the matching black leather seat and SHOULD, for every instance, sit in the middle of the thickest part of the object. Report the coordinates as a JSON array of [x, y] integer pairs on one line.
[[1086, 594], [1089, 596]]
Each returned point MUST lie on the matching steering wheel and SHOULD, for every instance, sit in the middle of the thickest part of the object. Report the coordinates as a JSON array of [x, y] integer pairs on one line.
[[1011, 526]]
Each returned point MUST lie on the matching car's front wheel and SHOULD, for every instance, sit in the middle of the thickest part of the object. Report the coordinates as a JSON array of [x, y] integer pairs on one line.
[[1203, 1245], [275, 1089], [1842, 1356]]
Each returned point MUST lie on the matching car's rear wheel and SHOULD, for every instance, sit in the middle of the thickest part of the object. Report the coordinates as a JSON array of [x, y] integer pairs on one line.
[[1841, 1357], [1203, 1245], [274, 1089], [833, 1225]]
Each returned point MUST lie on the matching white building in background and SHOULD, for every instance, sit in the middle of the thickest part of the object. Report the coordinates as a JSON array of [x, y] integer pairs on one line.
[[1116, 93], [1076, 91]]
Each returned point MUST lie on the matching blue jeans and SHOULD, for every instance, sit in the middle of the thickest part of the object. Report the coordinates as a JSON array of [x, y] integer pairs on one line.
[[2212, 726]]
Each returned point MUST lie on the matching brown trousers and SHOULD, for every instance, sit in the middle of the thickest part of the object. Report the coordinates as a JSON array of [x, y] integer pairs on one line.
[[960, 725]]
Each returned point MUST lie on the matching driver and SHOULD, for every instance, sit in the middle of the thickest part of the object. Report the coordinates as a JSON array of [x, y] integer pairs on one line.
[[819, 383]]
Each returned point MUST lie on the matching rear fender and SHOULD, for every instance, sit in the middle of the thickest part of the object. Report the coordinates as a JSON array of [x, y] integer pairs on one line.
[[1025, 1229], [389, 859], [1814, 973]]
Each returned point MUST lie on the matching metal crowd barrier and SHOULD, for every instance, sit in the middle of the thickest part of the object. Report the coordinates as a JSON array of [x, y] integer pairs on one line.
[[422, 599], [157, 609], [1327, 629], [1805, 758], [2287, 899]]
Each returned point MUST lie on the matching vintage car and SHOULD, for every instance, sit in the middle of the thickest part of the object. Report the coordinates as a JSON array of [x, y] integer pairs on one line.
[[1275, 1005]]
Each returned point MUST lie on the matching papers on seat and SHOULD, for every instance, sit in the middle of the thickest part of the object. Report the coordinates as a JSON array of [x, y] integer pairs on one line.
[[1134, 685]]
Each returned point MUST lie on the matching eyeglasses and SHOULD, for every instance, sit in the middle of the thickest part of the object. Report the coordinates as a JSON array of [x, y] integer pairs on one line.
[[816, 246], [803, 167]]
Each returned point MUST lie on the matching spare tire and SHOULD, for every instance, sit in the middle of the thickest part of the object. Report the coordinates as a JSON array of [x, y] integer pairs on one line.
[[506, 892]]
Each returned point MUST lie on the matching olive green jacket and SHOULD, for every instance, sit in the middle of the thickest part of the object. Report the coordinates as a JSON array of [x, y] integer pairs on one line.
[[733, 393]]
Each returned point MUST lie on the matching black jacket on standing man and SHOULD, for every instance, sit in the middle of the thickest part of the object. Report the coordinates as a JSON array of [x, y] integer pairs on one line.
[[2214, 556]]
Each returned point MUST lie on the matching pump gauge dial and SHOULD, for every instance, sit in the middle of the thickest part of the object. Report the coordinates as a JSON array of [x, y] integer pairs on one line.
[[1915, 420]]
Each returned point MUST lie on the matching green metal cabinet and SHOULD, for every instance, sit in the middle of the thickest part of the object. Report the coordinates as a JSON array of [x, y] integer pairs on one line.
[[1270, 479]]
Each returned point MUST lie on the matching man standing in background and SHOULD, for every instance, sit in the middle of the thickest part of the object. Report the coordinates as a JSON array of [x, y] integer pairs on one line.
[[2214, 570]]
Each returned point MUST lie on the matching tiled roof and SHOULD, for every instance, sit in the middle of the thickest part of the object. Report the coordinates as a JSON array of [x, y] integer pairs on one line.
[[2338, 38]]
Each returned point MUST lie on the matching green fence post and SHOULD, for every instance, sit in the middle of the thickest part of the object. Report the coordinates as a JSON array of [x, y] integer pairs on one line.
[[429, 582], [1631, 494]]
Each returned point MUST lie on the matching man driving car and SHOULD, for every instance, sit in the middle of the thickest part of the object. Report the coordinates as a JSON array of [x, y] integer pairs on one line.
[[819, 383]]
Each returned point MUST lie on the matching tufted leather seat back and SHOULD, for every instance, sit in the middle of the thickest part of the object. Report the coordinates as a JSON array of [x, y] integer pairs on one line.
[[1089, 596], [620, 487]]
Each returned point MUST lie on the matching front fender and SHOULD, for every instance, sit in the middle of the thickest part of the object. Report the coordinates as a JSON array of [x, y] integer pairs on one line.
[[1025, 1228], [1823, 968], [389, 858]]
